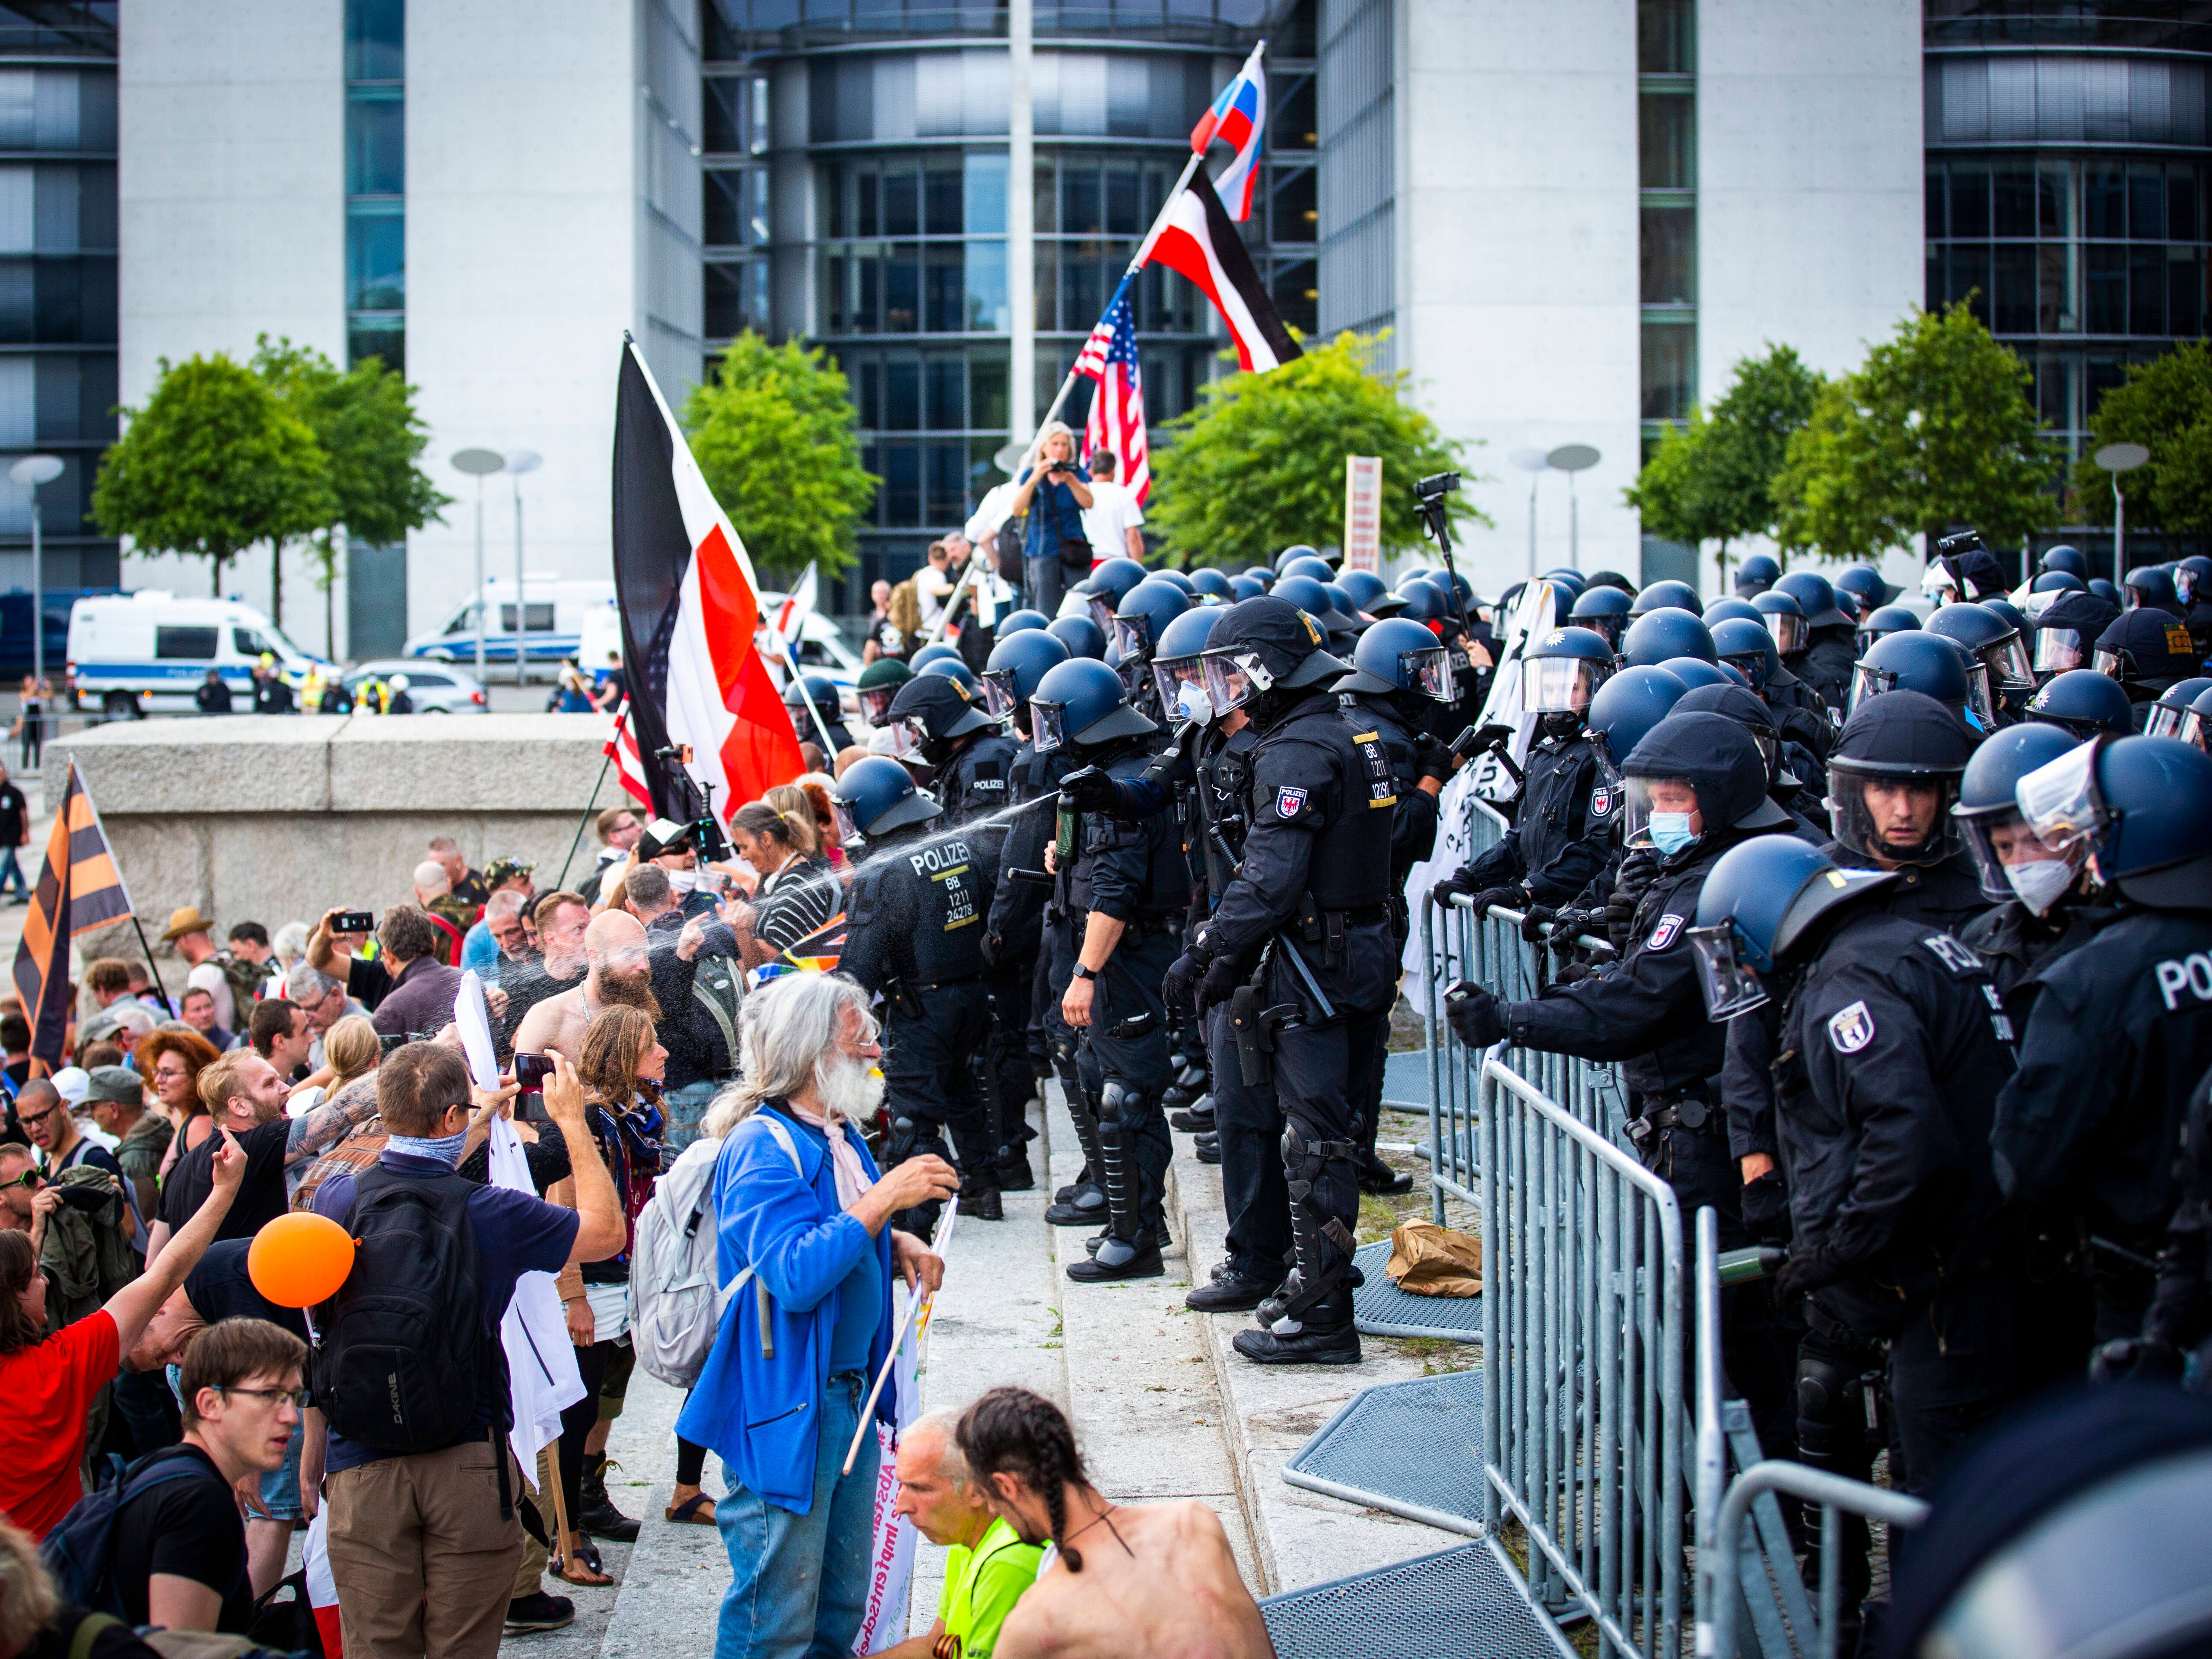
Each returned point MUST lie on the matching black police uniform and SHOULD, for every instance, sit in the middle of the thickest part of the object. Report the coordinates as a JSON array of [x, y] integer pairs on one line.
[[916, 935], [1893, 1049], [2018, 945], [1016, 926], [1827, 662], [1560, 821], [975, 781], [2118, 1037], [1803, 715], [1946, 895], [1315, 883], [2180, 1318]]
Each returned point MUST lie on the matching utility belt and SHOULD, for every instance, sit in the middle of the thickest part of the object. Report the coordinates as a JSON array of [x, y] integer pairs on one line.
[[1152, 924], [1327, 928], [905, 999], [1689, 1110]]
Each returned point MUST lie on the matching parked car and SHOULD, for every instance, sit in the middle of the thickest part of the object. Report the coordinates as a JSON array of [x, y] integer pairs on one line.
[[130, 652], [435, 688]]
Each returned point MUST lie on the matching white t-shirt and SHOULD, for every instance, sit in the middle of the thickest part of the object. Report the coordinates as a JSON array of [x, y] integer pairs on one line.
[[209, 977], [932, 587], [990, 513], [1108, 520]]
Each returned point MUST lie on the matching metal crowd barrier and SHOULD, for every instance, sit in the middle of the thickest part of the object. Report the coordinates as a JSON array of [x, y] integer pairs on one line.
[[1583, 1345]]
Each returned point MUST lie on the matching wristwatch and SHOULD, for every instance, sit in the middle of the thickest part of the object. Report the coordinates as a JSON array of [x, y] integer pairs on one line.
[[1081, 972]]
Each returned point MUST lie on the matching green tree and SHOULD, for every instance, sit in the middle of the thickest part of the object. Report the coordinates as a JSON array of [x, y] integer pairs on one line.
[[1934, 429], [372, 440], [1259, 463], [214, 462], [1711, 480], [773, 431], [2165, 407]]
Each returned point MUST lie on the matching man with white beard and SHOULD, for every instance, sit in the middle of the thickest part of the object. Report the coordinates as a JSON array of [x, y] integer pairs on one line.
[[620, 972], [803, 1233]]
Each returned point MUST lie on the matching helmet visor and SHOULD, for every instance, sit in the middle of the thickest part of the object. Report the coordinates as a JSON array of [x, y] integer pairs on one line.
[[1132, 636], [1180, 682], [1559, 685], [2011, 669], [2001, 840], [2112, 663], [1048, 725], [1001, 696], [1789, 630], [1642, 798], [2193, 729], [1980, 704], [2184, 584], [876, 703], [1731, 985], [1900, 817], [848, 829], [1866, 681], [2057, 650], [2060, 801], [1429, 673], [1752, 667], [2165, 720], [1232, 683], [1101, 612], [914, 731]]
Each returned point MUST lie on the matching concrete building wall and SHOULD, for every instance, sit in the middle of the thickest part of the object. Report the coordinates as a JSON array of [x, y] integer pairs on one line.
[[1517, 258], [231, 211]]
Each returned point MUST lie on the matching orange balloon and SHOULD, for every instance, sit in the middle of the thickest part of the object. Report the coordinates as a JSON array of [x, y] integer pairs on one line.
[[299, 1259]]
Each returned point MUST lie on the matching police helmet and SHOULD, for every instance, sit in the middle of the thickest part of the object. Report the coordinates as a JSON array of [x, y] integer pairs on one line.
[[2084, 701], [1721, 611], [2103, 590], [1425, 602], [1814, 592], [2010, 612], [938, 709], [1629, 705], [1993, 642], [876, 796], [1757, 573], [930, 654], [1757, 903], [879, 683], [1694, 671], [2169, 715], [1082, 636], [1742, 705], [1866, 589], [1212, 583], [1262, 649], [1262, 573], [2143, 805], [1339, 599], [1145, 610], [1611, 578], [2148, 584], [1368, 594], [1669, 631], [1882, 623], [1308, 564], [1245, 587], [1667, 596], [817, 689], [2058, 581], [2192, 578], [1716, 759], [1989, 815], [1295, 550], [953, 668], [2066, 559], [2197, 728], [1310, 597], [1912, 661], [2146, 651], [1181, 578], [1570, 586], [1785, 619], [1910, 751], [1560, 671], [1083, 704], [1452, 583], [1177, 673], [1395, 656], [1107, 586], [1018, 622], [1603, 610], [1015, 665], [1745, 644]]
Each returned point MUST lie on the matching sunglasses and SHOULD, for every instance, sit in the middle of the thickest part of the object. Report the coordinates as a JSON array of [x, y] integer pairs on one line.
[[30, 1181]]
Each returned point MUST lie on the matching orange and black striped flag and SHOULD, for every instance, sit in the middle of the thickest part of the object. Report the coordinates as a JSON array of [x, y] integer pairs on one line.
[[80, 889]]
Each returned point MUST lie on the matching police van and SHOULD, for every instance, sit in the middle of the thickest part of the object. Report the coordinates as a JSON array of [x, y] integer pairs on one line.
[[151, 650], [557, 614]]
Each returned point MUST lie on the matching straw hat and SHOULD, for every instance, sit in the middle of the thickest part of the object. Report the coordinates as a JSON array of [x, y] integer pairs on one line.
[[186, 920]]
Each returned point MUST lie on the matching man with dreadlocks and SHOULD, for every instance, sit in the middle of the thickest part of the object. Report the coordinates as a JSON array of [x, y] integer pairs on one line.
[[1122, 1578]]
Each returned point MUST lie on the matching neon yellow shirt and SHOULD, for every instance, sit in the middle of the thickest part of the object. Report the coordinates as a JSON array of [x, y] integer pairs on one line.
[[982, 1586]]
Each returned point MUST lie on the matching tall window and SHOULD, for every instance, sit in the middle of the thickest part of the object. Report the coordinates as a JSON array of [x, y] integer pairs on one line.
[[376, 181], [1666, 177]]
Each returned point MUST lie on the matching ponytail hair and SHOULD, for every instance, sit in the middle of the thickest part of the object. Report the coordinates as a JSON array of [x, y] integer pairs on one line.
[[1013, 1431]]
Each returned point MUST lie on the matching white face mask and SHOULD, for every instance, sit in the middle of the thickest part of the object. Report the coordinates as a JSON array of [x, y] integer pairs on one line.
[[2040, 883], [1193, 704], [681, 881]]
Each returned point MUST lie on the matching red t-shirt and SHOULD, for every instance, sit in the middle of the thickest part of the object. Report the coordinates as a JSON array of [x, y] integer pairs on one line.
[[48, 1388]]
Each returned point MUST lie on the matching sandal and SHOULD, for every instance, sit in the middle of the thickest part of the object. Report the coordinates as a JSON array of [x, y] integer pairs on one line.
[[582, 1565], [687, 1512]]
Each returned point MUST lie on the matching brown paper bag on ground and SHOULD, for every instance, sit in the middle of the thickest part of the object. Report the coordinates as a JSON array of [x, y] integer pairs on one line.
[[1426, 1260]]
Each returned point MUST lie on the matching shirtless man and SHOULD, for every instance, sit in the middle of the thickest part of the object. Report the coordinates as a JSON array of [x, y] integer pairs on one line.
[[619, 970], [1125, 1581]]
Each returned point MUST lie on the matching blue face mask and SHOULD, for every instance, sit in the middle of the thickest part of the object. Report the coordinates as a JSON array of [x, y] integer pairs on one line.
[[1671, 832]]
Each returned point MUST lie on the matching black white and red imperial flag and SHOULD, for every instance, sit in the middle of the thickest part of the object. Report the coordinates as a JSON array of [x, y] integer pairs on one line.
[[1197, 238]]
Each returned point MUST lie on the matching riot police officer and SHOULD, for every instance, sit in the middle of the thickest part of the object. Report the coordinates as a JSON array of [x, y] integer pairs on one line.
[[2067, 633], [1756, 574], [1860, 589], [1563, 811], [2148, 651], [1104, 589], [1603, 610], [1123, 887], [915, 935], [1808, 811], [1825, 663], [1306, 918], [878, 685], [1892, 783], [820, 691], [2085, 702], [1800, 715], [1400, 671], [2000, 654], [2121, 1029], [1142, 617], [2044, 896]]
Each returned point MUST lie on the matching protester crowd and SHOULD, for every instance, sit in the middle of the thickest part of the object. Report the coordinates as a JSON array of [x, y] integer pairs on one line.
[[1894, 919]]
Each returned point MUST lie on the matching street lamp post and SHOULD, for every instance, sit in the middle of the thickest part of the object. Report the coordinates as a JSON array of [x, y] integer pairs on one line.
[[479, 464], [2117, 458], [517, 463], [1533, 461], [32, 472], [1571, 458]]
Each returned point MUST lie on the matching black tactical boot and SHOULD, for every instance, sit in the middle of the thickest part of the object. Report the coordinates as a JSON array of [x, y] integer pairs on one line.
[[596, 1513], [1231, 1292]]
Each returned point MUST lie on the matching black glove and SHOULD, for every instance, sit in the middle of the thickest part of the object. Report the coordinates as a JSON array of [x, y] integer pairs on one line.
[[1637, 870], [1460, 881], [1569, 926], [1478, 1018], [1536, 917], [1432, 759], [1507, 898], [1182, 974], [1805, 1271], [990, 946], [1220, 983], [1091, 790], [1574, 974], [2136, 1360], [1766, 1209]]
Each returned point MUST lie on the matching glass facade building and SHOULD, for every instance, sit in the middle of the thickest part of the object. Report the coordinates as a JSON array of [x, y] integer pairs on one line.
[[855, 197], [376, 277], [1667, 210], [2068, 167], [58, 281]]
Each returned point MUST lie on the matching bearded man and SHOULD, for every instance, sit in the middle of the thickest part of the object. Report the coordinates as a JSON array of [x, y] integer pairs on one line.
[[619, 972]]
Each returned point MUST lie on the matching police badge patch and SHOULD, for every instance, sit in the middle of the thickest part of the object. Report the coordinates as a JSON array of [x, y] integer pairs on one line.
[[1601, 801], [1852, 1029], [1290, 802], [1663, 935]]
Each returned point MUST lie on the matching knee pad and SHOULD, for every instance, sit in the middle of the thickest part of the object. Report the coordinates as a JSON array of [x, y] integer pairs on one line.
[[1117, 1101], [1830, 1416]]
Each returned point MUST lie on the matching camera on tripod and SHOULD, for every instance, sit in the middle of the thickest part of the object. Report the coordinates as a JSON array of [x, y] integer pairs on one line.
[[1433, 489]]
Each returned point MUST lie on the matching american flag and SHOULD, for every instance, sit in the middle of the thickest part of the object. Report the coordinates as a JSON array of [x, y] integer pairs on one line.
[[1117, 411], [629, 766]]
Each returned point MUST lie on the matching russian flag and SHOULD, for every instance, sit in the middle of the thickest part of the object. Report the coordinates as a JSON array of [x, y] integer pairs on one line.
[[1239, 119], [690, 615]]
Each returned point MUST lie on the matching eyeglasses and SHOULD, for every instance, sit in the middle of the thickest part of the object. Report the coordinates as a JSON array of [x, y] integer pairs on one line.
[[39, 1117], [30, 1181], [299, 1397]]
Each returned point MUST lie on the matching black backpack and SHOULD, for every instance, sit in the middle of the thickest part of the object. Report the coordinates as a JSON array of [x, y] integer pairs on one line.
[[80, 1551], [404, 1356]]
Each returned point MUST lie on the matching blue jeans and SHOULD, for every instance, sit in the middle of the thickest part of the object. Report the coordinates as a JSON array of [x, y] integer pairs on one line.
[[798, 1583], [682, 1108], [1047, 581], [9, 866]]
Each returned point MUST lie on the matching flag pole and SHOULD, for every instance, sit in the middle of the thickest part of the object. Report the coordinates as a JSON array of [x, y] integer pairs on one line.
[[820, 726], [590, 801], [160, 989]]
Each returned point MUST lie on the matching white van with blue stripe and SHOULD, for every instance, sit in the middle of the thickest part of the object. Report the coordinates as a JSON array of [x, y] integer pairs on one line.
[[554, 613], [132, 653]]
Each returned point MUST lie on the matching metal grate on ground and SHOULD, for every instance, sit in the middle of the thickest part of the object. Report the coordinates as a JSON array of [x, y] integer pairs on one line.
[[1456, 1602], [1381, 1309], [1406, 1081], [1413, 1449]]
